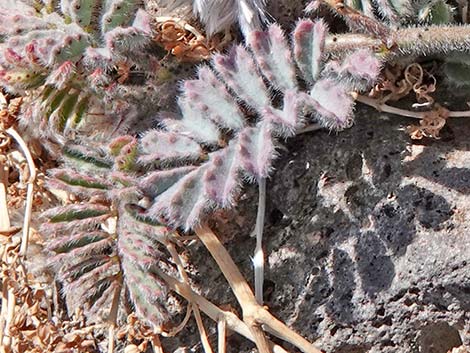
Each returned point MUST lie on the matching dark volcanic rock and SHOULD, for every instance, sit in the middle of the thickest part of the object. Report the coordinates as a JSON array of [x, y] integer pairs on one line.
[[366, 239]]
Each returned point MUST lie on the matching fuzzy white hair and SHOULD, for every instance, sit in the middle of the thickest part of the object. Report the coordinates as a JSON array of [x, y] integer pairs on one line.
[[219, 15]]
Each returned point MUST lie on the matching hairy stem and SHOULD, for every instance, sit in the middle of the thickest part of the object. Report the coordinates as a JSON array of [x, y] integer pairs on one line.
[[426, 40], [258, 258]]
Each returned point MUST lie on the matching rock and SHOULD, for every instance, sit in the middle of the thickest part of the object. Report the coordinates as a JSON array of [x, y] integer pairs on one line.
[[377, 238], [366, 240]]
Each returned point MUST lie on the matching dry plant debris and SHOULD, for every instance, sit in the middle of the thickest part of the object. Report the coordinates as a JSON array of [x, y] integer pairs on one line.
[[430, 125], [461, 349], [26, 320], [9, 113], [30, 323], [184, 41], [399, 82], [137, 336], [30, 317]]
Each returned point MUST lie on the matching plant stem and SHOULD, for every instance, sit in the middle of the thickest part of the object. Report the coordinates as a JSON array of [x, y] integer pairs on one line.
[[4, 217], [221, 335], [177, 329], [258, 258], [113, 313], [237, 282], [382, 107], [197, 315], [253, 314], [202, 331], [418, 41], [156, 344], [211, 310], [29, 192], [7, 311]]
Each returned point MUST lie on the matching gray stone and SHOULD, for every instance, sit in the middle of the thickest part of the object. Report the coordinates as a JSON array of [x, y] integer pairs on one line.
[[367, 239]]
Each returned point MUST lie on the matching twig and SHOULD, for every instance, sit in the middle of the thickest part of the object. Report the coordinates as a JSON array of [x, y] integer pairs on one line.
[[30, 189], [8, 296], [240, 287], [175, 330], [5, 295], [3, 312], [258, 258], [253, 314], [7, 316], [197, 314], [4, 217], [113, 312], [221, 335], [382, 107], [3, 101], [202, 331], [463, 4], [156, 344], [211, 310]]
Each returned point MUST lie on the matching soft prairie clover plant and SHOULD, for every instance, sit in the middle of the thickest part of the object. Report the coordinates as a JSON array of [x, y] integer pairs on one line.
[[174, 177], [397, 13], [100, 243], [406, 29], [71, 62], [136, 194]]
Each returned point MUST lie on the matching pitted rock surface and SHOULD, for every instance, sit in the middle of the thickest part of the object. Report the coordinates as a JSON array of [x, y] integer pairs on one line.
[[378, 224], [367, 239]]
